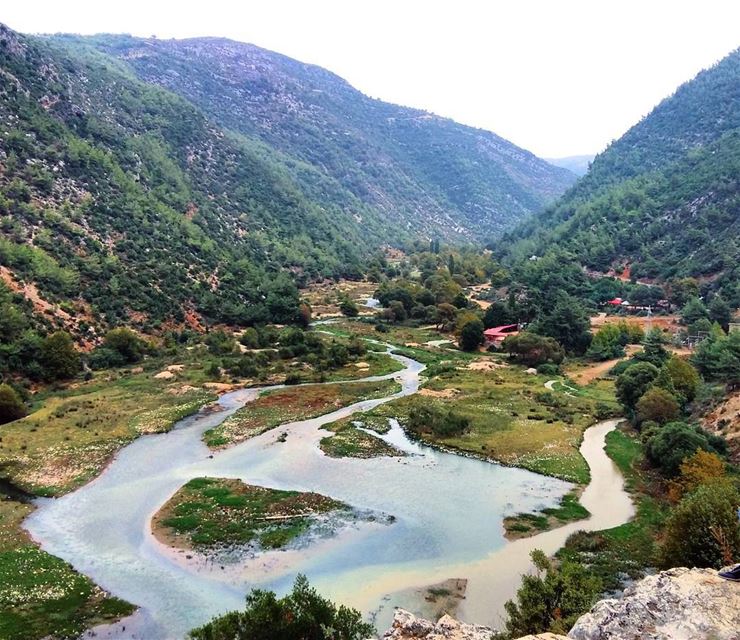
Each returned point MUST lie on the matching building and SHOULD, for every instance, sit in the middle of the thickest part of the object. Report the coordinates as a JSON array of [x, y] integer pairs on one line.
[[496, 335]]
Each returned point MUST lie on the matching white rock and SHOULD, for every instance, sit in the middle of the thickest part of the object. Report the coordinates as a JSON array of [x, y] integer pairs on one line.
[[678, 604], [406, 626]]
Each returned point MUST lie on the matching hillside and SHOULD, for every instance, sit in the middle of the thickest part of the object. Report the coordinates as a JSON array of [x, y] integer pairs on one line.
[[663, 198], [577, 164], [124, 202], [427, 173]]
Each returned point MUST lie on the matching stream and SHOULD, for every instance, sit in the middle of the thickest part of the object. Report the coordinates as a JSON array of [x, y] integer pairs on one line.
[[448, 513]]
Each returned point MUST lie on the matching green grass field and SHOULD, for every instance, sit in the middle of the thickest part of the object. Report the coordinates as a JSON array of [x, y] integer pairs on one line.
[[208, 513]]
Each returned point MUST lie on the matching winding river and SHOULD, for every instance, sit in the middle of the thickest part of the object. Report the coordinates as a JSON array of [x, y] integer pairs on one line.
[[448, 511]]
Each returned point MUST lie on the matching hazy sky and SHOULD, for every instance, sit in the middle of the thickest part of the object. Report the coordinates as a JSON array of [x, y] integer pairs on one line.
[[556, 77]]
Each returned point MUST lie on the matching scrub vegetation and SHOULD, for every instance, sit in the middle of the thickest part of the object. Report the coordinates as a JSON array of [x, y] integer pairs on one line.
[[214, 513]]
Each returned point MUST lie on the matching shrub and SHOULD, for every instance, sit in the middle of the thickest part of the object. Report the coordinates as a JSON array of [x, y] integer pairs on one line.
[[126, 343], [471, 335], [532, 349], [553, 598], [675, 442], [703, 529], [634, 382], [657, 405], [59, 357], [303, 613], [440, 422], [11, 404]]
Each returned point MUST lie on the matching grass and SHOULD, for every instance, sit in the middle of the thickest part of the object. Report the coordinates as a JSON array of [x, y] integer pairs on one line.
[[291, 405], [524, 525], [349, 441], [628, 550], [210, 513], [72, 434], [41, 595], [513, 418], [378, 364]]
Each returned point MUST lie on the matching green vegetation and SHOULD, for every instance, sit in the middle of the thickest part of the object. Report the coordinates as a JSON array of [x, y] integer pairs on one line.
[[274, 408], [552, 599], [41, 595], [303, 613], [527, 524], [349, 441], [654, 200], [208, 513]]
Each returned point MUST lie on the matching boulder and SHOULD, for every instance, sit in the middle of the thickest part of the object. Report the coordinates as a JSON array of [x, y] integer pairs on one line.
[[407, 626], [678, 604]]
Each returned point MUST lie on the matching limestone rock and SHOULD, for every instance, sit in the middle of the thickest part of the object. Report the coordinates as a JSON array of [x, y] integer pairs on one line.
[[407, 626], [678, 604]]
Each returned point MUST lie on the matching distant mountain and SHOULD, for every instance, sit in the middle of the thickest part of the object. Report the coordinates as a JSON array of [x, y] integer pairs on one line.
[[575, 164], [664, 198], [160, 183], [426, 173]]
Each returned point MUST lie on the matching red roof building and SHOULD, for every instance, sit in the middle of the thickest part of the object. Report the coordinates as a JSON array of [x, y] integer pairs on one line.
[[496, 335]]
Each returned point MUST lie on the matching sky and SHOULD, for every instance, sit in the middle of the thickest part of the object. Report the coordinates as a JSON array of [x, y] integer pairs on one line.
[[557, 77]]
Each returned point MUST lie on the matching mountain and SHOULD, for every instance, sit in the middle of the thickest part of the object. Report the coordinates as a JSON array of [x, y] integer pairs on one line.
[[427, 173], [575, 164], [168, 183], [664, 198]]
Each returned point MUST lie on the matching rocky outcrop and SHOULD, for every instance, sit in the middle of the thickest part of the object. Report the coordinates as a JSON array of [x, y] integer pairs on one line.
[[407, 626], [679, 604]]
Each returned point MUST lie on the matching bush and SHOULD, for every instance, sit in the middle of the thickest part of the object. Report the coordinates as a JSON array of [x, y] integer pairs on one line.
[[303, 613], [703, 529], [532, 349], [471, 335], [126, 343], [437, 421], [657, 405], [59, 357], [675, 442], [553, 601], [11, 404], [634, 382], [349, 308], [548, 369], [221, 343]]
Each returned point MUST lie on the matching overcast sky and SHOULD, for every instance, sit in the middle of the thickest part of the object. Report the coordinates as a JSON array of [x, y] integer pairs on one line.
[[556, 77]]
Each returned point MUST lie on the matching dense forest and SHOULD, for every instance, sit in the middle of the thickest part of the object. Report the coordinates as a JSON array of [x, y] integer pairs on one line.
[[663, 199]]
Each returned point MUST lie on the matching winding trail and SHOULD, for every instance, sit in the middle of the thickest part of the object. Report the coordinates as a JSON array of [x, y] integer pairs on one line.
[[449, 511]]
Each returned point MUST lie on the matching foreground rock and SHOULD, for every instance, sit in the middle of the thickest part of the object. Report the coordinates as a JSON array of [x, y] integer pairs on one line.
[[691, 604], [407, 626]]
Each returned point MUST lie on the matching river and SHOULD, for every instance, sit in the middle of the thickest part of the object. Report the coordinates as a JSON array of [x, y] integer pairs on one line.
[[448, 520]]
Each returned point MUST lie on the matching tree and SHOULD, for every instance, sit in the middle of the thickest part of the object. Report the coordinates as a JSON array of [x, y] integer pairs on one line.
[[398, 310], [653, 350], [59, 357], [303, 614], [553, 601], [532, 350], [657, 405], [607, 343], [11, 404], [499, 314], [349, 308], [634, 382], [684, 378], [471, 335], [568, 323], [703, 530], [125, 343], [446, 314], [720, 312], [693, 310], [700, 468], [675, 442]]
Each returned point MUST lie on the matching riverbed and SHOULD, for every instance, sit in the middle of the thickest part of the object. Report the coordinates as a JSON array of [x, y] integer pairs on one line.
[[448, 512]]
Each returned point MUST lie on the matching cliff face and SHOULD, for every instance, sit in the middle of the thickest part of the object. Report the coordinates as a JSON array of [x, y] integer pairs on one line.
[[679, 604]]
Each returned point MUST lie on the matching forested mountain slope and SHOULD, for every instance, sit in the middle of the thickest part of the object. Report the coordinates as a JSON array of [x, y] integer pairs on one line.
[[665, 197], [425, 172], [124, 202]]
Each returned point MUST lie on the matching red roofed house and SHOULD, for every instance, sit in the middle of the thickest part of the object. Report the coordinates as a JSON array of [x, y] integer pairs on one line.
[[496, 335]]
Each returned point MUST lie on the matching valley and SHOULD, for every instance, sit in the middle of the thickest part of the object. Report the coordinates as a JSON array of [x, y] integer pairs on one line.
[[278, 358]]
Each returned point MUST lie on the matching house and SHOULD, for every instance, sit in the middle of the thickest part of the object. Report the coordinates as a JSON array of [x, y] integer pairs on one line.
[[496, 335]]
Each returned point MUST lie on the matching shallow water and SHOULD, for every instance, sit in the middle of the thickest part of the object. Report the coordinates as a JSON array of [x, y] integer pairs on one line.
[[448, 510]]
